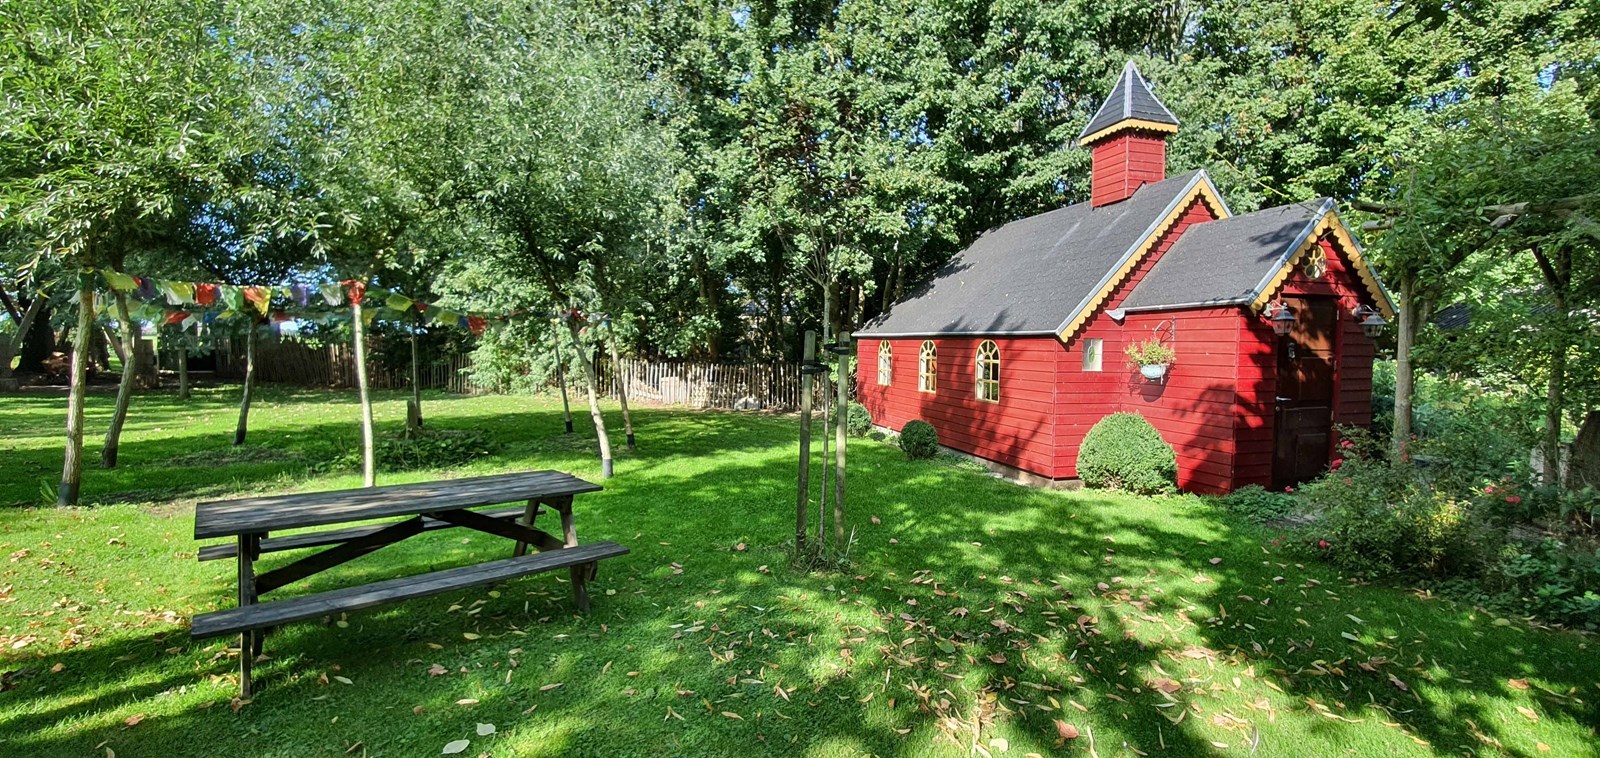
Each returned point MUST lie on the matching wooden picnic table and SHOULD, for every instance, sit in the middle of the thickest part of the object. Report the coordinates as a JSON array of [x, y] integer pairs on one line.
[[429, 505]]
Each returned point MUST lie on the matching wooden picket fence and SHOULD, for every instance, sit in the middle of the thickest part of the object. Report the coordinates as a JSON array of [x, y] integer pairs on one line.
[[709, 385], [288, 361], [773, 386]]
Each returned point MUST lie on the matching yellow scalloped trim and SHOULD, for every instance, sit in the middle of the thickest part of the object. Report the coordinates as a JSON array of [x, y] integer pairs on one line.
[[1330, 224], [1129, 123], [1203, 192]]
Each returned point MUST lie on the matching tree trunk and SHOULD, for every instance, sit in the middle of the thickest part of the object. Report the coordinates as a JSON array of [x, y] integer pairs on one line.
[[622, 388], [72, 466], [594, 401], [39, 342], [183, 368], [803, 499], [243, 427], [414, 406], [561, 379], [130, 367], [839, 430], [822, 496], [369, 469], [123, 356], [1583, 465], [1555, 399], [1404, 371], [10, 347]]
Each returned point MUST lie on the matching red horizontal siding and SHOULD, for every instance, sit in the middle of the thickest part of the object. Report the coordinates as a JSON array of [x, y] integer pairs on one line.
[[1017, 431]]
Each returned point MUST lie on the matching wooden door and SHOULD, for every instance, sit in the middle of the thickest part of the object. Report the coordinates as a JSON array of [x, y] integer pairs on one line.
[[1303, 436]]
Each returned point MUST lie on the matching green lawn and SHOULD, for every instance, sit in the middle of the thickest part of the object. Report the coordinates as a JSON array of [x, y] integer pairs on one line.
[[976, 613]]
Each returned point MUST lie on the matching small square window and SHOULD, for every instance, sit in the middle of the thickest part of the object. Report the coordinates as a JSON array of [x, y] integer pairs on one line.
[[1092, 360]]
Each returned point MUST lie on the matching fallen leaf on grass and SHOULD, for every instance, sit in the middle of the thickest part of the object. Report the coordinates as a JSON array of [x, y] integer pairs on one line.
[[484, 730], [1066, 731], [1216, 561], [134, 719], [1517, 684], [470, 635], [467, 701], [732, 715], [1165, 685], [458, 746], [1000, 744], [549, 687], [437, 670], [1395, 680], [1528, 713]]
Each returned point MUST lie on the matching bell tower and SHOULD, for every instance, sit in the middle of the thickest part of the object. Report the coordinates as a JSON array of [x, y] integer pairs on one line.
[[1128, 137]]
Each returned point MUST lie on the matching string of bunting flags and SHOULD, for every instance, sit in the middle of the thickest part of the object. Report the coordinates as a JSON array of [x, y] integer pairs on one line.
[[190, 303]]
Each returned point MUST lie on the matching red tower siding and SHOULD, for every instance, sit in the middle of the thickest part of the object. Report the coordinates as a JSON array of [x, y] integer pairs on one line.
[[1125, 161]]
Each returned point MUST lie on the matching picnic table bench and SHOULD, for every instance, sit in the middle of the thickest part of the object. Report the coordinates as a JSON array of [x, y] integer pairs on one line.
[[429, 505]]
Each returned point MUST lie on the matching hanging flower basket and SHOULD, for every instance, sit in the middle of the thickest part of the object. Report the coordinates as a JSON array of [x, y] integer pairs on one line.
[[1153, 357]]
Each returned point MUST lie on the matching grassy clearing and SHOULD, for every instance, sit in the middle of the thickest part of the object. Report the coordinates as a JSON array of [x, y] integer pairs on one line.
[[976, 613]]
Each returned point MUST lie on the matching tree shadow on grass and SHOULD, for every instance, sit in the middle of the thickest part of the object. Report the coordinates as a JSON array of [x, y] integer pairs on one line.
[[978, 608]]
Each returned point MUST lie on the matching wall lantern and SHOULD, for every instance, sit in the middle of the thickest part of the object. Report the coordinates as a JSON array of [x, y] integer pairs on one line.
[[1282, 318], [1372, 323]]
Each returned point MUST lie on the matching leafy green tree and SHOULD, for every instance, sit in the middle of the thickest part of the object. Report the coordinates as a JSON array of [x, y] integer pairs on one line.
[[111, 108]]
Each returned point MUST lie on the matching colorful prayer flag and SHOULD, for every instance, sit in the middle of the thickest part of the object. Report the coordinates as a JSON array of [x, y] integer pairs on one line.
[[119, 281], [332, 293], [205, 294], [357, 291], [232, 297], [477, 325], [260, 297], [398, 302]]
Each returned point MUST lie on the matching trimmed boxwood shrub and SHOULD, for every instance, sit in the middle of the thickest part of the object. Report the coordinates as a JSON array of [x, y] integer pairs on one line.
[[858, 419], [919, 439], [1124, 452]]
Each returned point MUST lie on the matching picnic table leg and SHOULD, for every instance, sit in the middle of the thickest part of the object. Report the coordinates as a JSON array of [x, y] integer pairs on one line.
[[248, 548], [581, 573], [527, 520]]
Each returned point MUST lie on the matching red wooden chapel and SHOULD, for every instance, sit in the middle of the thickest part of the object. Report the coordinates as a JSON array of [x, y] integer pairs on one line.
[[1015, 349]]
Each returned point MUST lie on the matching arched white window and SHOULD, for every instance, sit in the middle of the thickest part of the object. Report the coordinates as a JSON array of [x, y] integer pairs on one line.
[[927, 368], [885, 364], [987, 386]]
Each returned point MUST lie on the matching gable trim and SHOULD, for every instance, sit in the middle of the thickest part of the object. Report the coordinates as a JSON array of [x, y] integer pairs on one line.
[[1129, 123], [1328, 224], [1199, 189]]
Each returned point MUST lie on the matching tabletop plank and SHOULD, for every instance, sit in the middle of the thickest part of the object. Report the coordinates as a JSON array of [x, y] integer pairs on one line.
[[224, 518]]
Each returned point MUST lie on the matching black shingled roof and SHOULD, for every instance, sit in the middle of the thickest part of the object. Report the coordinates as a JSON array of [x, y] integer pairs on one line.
[[1031, 276], [1131, 98], [1226, 262]]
